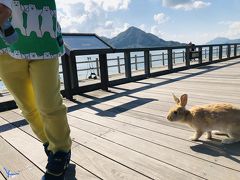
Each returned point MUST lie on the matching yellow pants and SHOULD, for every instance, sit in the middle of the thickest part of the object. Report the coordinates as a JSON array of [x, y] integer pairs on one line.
[[35, 86]]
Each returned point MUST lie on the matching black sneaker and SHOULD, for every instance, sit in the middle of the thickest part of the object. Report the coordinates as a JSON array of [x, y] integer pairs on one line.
[[45, 145], [57, 165]]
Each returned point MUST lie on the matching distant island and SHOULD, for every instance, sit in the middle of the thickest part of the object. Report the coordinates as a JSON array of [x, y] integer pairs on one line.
[[136, 38], [223, 40]]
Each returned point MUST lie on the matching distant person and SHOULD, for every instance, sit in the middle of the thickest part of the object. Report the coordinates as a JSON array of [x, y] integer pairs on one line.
[[29, 69], [192, 46]]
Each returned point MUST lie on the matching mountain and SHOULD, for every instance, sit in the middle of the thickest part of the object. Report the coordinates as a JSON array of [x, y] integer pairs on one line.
[[136, 38], [223, 40]]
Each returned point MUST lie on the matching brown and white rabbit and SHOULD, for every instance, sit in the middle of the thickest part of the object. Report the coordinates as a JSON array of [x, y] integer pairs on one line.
[[221, 117]]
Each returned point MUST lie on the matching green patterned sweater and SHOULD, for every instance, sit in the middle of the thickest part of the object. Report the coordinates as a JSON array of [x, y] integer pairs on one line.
[[39, 34]]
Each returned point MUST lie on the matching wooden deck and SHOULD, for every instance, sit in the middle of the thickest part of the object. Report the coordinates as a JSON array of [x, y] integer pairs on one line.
[[124, 134]]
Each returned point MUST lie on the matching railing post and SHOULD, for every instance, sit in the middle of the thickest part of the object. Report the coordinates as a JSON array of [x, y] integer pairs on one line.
[[170, 63], [238, 49], [150, 60], [66, 76], [104, 72], [200, 55], [136, 64], [183, 55], [163, 59], [128, 69], [210, 53], [174, 58], [220, 52], [97, 66], [147, 63], [229, 51], [235, 50], [119, 67], [73, 71], [187, 56]]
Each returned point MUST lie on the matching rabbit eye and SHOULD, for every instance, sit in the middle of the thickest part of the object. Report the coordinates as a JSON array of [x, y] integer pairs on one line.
[[175, 112]]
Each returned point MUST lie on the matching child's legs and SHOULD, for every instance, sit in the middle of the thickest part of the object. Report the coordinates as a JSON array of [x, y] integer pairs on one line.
[[15, 75], [46, 84]]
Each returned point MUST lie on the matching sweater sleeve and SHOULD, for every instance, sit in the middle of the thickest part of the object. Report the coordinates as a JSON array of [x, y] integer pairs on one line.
[[7, 3]]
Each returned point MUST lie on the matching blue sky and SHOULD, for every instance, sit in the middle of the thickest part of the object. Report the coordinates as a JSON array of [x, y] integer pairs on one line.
[[179, 20]]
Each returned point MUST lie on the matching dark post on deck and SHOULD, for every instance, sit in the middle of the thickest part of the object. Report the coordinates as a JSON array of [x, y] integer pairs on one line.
[[170, 62], [187, 56], [200, 55], [147, 63], [220, 52], [210, 54], [127, 60], [228, 51], [73, 71], [66, 76], [235, 50], [104, 71]]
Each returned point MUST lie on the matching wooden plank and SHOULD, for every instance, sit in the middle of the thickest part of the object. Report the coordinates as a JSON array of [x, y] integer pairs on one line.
[[15, 165], [103, 167], [137, 162], [24, 144], [184, 162], [96, 163], [180, 143]]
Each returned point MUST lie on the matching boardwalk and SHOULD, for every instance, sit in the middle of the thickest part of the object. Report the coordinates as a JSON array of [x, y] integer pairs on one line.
[[123, 134]]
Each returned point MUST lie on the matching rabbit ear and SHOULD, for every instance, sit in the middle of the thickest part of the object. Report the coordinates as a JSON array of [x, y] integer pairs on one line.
[[183, 100], [176, 99]]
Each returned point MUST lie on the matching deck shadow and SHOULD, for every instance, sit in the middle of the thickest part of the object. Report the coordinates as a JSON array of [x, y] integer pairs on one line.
[[13, 125], [216, 149], [112, 112]]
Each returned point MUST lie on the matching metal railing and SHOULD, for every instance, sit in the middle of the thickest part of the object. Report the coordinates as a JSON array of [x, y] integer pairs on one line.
[[148, 62]]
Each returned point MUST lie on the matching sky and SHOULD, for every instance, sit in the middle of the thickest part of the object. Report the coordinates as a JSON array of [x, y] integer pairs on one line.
[[198, 21]]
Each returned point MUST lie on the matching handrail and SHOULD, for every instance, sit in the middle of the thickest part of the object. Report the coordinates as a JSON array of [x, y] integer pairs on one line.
[[169, 57]]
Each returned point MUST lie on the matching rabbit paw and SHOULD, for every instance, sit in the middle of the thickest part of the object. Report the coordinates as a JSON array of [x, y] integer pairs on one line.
[[193, 138], [196, 135], [209, 135]]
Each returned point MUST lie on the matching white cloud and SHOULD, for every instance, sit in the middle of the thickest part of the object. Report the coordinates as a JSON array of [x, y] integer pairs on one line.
[[112, 31], [88, 16], [234, 30], [185, 4], [160, 18], [91, 5], [156, 31], [109, 24], [143, 27]]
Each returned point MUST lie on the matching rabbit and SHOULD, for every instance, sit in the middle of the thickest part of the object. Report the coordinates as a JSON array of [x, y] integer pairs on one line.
[[221, 117]]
